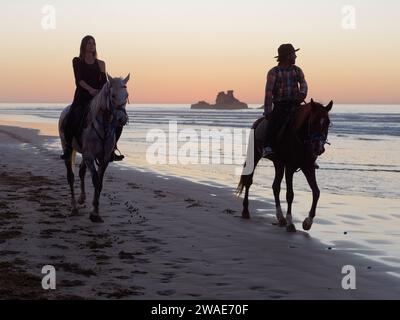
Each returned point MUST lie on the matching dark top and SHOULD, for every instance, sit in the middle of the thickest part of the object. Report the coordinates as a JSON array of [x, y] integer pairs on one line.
[[91, 74]]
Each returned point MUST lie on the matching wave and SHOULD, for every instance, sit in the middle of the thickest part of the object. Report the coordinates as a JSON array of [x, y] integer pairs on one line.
[[360, 124], [360, 170]]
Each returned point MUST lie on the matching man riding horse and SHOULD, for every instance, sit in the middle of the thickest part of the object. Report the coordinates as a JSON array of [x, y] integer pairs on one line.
[[303, 133], [286, 89]]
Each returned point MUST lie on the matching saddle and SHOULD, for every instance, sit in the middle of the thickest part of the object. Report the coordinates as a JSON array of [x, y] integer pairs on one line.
[[261, 125], [286, 125], [79, 126]]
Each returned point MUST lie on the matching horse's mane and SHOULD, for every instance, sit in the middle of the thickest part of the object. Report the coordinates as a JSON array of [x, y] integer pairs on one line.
[[98, 102], [304, 114]]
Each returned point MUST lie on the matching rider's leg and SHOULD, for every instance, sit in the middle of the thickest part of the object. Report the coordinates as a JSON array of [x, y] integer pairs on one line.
[[274, 123], [69, 133], [278, 120], [71, 128]]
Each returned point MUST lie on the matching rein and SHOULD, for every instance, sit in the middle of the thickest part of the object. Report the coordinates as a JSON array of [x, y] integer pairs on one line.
[[312, 137], [108, 122], [317, 136]]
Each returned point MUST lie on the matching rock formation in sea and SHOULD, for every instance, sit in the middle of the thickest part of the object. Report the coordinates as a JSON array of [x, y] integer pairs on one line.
[[224, 101]]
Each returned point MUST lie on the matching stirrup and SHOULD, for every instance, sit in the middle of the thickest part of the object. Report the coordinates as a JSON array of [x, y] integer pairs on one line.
[[116, 157]]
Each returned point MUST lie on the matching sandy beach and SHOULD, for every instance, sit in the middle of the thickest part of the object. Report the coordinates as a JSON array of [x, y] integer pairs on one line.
[[163, 238]]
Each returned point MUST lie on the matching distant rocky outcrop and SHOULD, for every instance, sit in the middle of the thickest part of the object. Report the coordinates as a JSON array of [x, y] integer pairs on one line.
[[224, 101]]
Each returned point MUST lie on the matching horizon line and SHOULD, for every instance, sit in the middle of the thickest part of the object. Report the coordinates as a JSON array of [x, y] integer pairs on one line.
[[190, 103]]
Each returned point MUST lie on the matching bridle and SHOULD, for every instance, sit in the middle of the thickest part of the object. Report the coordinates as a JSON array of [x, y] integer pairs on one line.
[[109, 126], [111, 106], [109, 114], [316, 136]]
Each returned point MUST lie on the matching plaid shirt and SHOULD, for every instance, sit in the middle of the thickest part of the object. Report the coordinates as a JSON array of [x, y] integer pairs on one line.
[[284, 84]]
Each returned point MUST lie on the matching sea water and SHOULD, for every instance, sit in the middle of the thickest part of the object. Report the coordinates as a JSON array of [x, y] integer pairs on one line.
[[359, 208]]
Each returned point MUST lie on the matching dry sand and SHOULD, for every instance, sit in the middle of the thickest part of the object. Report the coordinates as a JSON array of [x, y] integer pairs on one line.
[[163, 238]]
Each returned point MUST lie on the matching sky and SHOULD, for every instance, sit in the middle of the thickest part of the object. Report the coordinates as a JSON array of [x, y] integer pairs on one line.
[[184, 51]]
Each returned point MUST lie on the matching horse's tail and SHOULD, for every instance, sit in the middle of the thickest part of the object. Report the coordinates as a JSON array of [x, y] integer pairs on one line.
[[61, 123], [253, 157], [244, 180]]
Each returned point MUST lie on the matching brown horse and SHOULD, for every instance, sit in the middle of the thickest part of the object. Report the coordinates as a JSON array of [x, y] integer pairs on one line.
[[298, 147]]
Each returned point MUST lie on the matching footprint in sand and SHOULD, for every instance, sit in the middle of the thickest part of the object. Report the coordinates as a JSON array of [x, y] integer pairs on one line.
[[122, 293], [221, 284], [131, 208], [279, 294], [8, 253], [94, 245], [193, 203], [229, 211], [166, 293], [10, 234], [158, 194], [194, 295], [71, 283], [139, 272], [133, 186], [76, 269], [132, 256]]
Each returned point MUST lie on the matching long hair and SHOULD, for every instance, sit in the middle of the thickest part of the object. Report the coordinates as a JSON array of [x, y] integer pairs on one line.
[[84, 43]]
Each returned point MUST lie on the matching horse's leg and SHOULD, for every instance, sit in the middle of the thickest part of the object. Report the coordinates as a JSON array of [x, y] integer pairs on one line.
[[276, 187], [312, 181], [94, 215], [71, 180], [248, 181], [82, 173], [101, 173], [245, 183], [289, 198]]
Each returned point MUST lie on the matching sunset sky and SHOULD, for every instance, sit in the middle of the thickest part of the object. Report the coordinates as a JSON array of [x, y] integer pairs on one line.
[[182, 51]]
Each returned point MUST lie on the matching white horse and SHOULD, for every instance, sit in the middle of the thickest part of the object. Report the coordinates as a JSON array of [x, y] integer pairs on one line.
[[97, 142]]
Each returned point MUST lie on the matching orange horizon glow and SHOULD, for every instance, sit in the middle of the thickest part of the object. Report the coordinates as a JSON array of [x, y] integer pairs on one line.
[[186, 52]]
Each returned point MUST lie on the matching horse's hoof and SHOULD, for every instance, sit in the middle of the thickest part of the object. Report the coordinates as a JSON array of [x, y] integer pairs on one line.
[[282, 223], [96, 218], [246, 214], [291, 228], [74, 212], [307, 224]]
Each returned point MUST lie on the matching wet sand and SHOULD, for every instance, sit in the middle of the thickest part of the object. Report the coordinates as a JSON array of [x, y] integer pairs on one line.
[[163, 238]]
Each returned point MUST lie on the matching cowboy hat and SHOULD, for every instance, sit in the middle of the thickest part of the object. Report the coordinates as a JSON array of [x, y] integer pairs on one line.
[[285, 50]]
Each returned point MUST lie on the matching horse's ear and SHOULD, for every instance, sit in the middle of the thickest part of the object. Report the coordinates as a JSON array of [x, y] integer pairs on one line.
[[313, 104], [127, 78], [329, 106]]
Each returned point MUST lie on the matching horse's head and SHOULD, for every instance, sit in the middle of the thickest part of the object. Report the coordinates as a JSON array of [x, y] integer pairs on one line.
[[318, 126], [118, 98]]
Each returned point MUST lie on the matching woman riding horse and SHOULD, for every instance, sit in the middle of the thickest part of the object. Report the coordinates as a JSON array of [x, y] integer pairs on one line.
[[90, 77]]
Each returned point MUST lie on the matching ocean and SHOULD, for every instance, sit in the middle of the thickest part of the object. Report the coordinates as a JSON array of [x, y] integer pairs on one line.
[[359, 208]]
